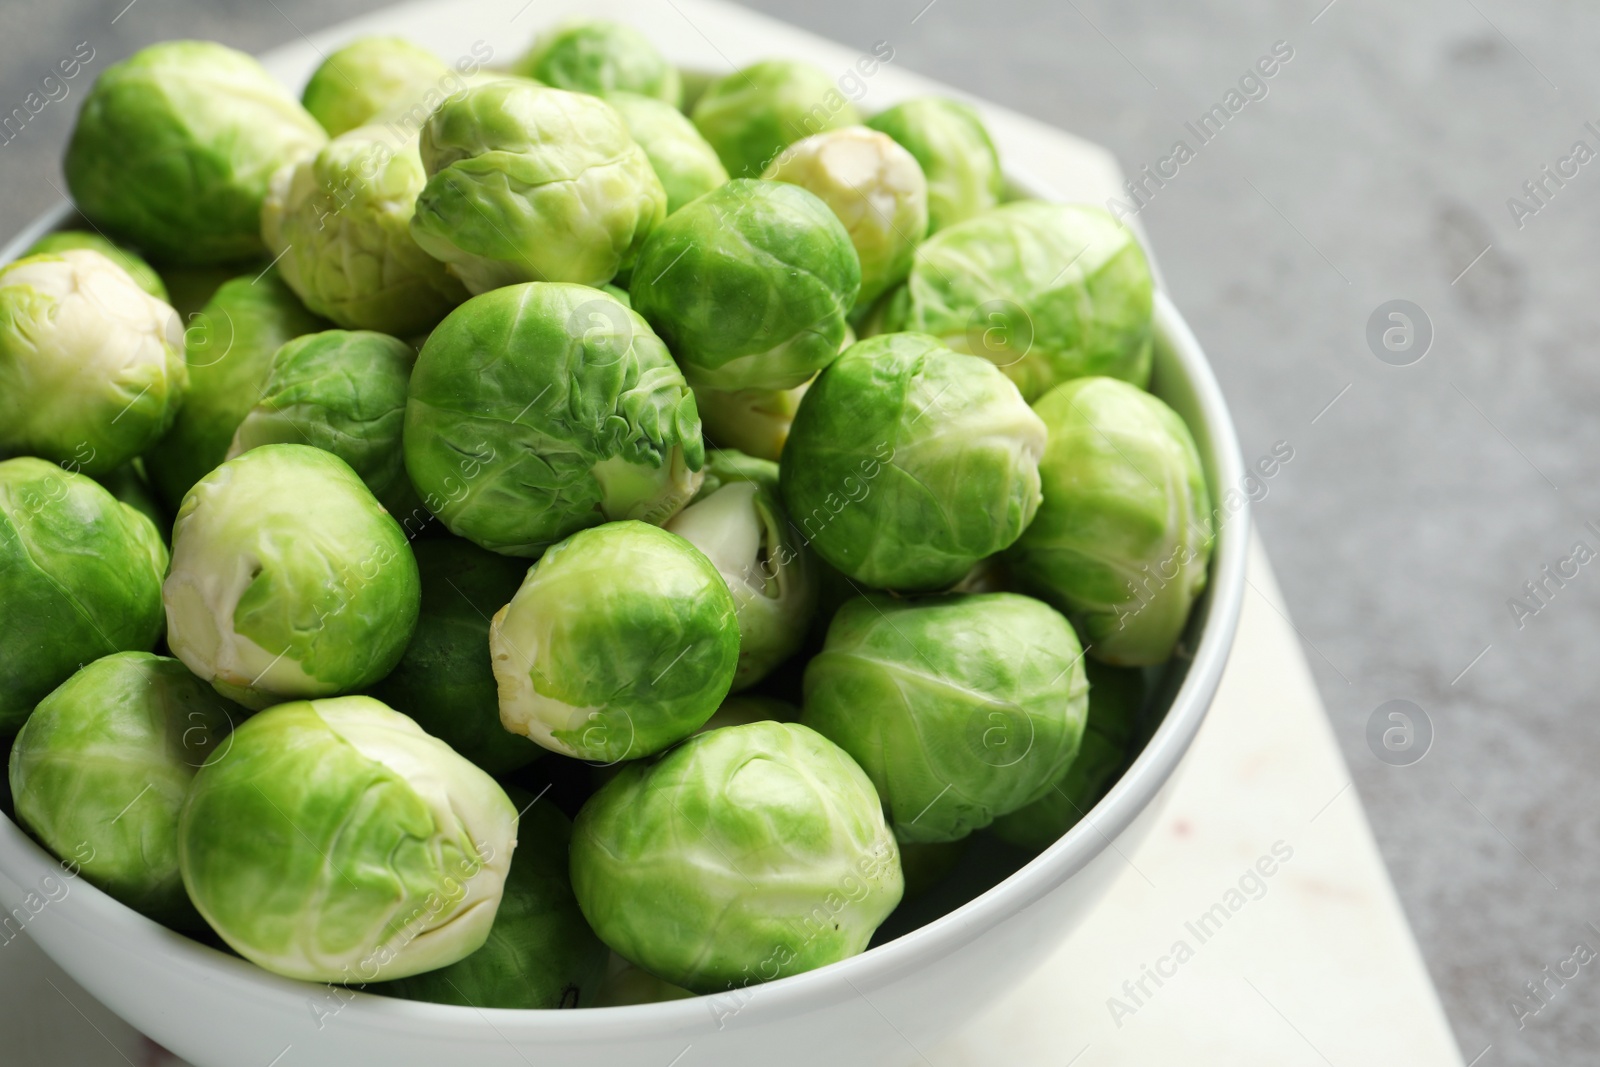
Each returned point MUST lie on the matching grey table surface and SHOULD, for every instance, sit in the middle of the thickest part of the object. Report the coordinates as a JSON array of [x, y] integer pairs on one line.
[[1376, 164]]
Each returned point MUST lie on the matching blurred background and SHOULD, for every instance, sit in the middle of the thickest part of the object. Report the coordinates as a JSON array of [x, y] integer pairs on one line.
[[1385, 160]]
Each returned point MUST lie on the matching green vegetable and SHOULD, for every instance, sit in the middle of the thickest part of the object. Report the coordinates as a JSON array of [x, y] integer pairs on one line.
[[537, 410], [228, 346], [288, 579], [369, 78], [622, 641], [687, 166], [1047, 292], [540, 953], [877, 190], [1115, 695], [533, 184], [80, 578], [334, 841], [100, 770], [174, 146], [754, 421], [737, 521], [753, 114], [91, 365], [1123, 539], [339, 222], [598, 56], [960, 708], [445, 680], [908, 463], [143, 275], [743, 855], [955, 152], [343, 392], [749, 285]]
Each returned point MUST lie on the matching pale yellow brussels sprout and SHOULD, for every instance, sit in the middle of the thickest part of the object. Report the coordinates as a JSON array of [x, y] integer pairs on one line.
[[877, 190], [755, 421], [91, 365], [340, 225]]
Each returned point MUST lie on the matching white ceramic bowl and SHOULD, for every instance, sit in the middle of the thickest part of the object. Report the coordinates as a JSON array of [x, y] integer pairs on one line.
[[884, 1007]]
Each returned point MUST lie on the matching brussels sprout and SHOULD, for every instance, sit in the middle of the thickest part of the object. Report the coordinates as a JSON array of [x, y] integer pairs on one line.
[[80, 578], [753, 114], [743, 855], [100, 770], [1047, 292], [537, 410], [340, 224], [229, 345], [622, 640], [744, 710], [174, 146], [597, 56], [755, 421], [368, 79], [288, 579], [335, 841], [343, 392], [738, 523], [533, 184], [1114, 698], [445, 680], [749, 285], [687, 166], [91, 365], [908, 463], [876, 189], [955, 152], [129, 484], [627, 983], [540, 952], [143, 275], [960, 709], [1123, 539]]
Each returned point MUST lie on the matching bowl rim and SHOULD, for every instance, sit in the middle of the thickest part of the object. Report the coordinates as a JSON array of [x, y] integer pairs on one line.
[[23, 862]]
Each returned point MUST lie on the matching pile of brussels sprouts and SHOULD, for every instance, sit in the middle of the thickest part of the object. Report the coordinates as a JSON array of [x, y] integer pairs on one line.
[[761, 470]]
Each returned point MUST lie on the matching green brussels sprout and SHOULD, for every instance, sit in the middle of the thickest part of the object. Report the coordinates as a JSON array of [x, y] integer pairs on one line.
[[687, 166], [955, 152], [229, 345], [755, 421], [749, 285], [369, 78], [129, 484], [1123, 538], [743, 855], [1115, 695], [80, 578], [533, 184], [174, 146], [288, 579], [960, 709], [622, 640], [598, 56], [143, 275], [753, 114], [101, 767], [877, 190], [628, 983], [445, 680], [744, 710], [540, 953], [343, 392], [737, 521], [1046, 292], [340, 223], [91, 365], [540, 409], [335, 841], [908, 463]]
